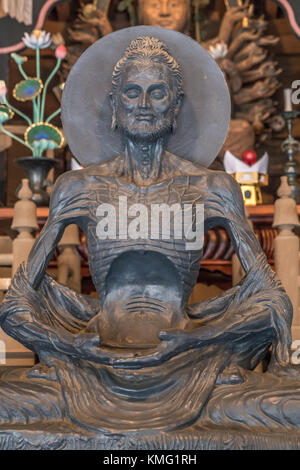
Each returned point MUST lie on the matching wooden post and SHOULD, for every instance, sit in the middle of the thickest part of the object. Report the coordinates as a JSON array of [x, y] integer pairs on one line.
[[69, 262], [5, 264], [287, 249], [24, 222]]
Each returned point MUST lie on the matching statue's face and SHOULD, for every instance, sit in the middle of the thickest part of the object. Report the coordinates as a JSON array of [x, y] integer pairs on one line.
[[145, 106], [172, 14]]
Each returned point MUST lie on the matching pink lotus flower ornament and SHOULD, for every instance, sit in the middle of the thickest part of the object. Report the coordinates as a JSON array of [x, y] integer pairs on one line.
[[61, 52], [3, 89]]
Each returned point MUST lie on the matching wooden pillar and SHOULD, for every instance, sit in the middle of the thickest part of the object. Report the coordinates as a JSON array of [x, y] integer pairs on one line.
[[24, 222], [69, 262], [287, 249]]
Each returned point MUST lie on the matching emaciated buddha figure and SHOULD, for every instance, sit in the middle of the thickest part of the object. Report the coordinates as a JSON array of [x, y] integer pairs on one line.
[[139, 367]]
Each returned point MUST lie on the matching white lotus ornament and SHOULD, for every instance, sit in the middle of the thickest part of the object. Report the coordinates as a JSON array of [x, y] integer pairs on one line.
[[219, 51], [37, 39]]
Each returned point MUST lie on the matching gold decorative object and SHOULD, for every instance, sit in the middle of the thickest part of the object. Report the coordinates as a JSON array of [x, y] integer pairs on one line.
[[250, 177]]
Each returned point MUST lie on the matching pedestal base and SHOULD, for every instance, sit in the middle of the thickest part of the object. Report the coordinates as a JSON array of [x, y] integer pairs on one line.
[[64, 436]]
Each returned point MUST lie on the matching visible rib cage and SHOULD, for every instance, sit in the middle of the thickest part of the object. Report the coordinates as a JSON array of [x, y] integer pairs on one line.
[[186, 262]]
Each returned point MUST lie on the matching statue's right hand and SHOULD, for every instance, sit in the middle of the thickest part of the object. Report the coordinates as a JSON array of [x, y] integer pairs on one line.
[[87, 346]]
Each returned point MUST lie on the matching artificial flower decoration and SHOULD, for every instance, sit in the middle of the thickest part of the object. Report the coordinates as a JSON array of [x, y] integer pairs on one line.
[[41, 145], [61, 52], [37, 39], [19, 59], [5, 113], [40, 135], [49, 134], [28, 89], [219, 51], [3, 89]]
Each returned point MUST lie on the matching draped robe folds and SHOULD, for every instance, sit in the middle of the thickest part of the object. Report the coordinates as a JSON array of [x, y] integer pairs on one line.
[[180, 392]]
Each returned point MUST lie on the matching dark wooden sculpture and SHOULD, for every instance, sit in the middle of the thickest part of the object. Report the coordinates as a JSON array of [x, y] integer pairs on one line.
[[242, 49], [91, 24], [139, 368]]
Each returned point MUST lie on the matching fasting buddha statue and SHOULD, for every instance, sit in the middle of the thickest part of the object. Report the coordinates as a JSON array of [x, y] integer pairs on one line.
[[139, 367]]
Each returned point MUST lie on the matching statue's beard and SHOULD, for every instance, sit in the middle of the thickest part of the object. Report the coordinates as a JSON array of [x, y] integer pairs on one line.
[[144, 131]]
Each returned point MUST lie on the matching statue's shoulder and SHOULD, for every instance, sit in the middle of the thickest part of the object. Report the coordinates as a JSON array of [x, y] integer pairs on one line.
[[221, 181], [213, 180], [70, 181], [220, 187], [201, 175], [76, 180]]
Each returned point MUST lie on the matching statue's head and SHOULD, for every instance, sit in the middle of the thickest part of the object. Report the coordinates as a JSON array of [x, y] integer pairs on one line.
[[146, 97], [172, 14], [147, 90]]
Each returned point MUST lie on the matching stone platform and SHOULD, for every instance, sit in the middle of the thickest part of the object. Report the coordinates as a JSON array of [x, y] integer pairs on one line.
[[63, 436]]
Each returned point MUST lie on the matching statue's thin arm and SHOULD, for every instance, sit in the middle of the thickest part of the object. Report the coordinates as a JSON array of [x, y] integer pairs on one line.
[[42, 251], [248, 251], [52, 232]]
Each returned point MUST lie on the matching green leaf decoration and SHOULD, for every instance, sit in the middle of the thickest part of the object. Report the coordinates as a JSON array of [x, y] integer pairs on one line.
[[5, 113], [44, 135], [28, 89], [19, 59], [41, 145]]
